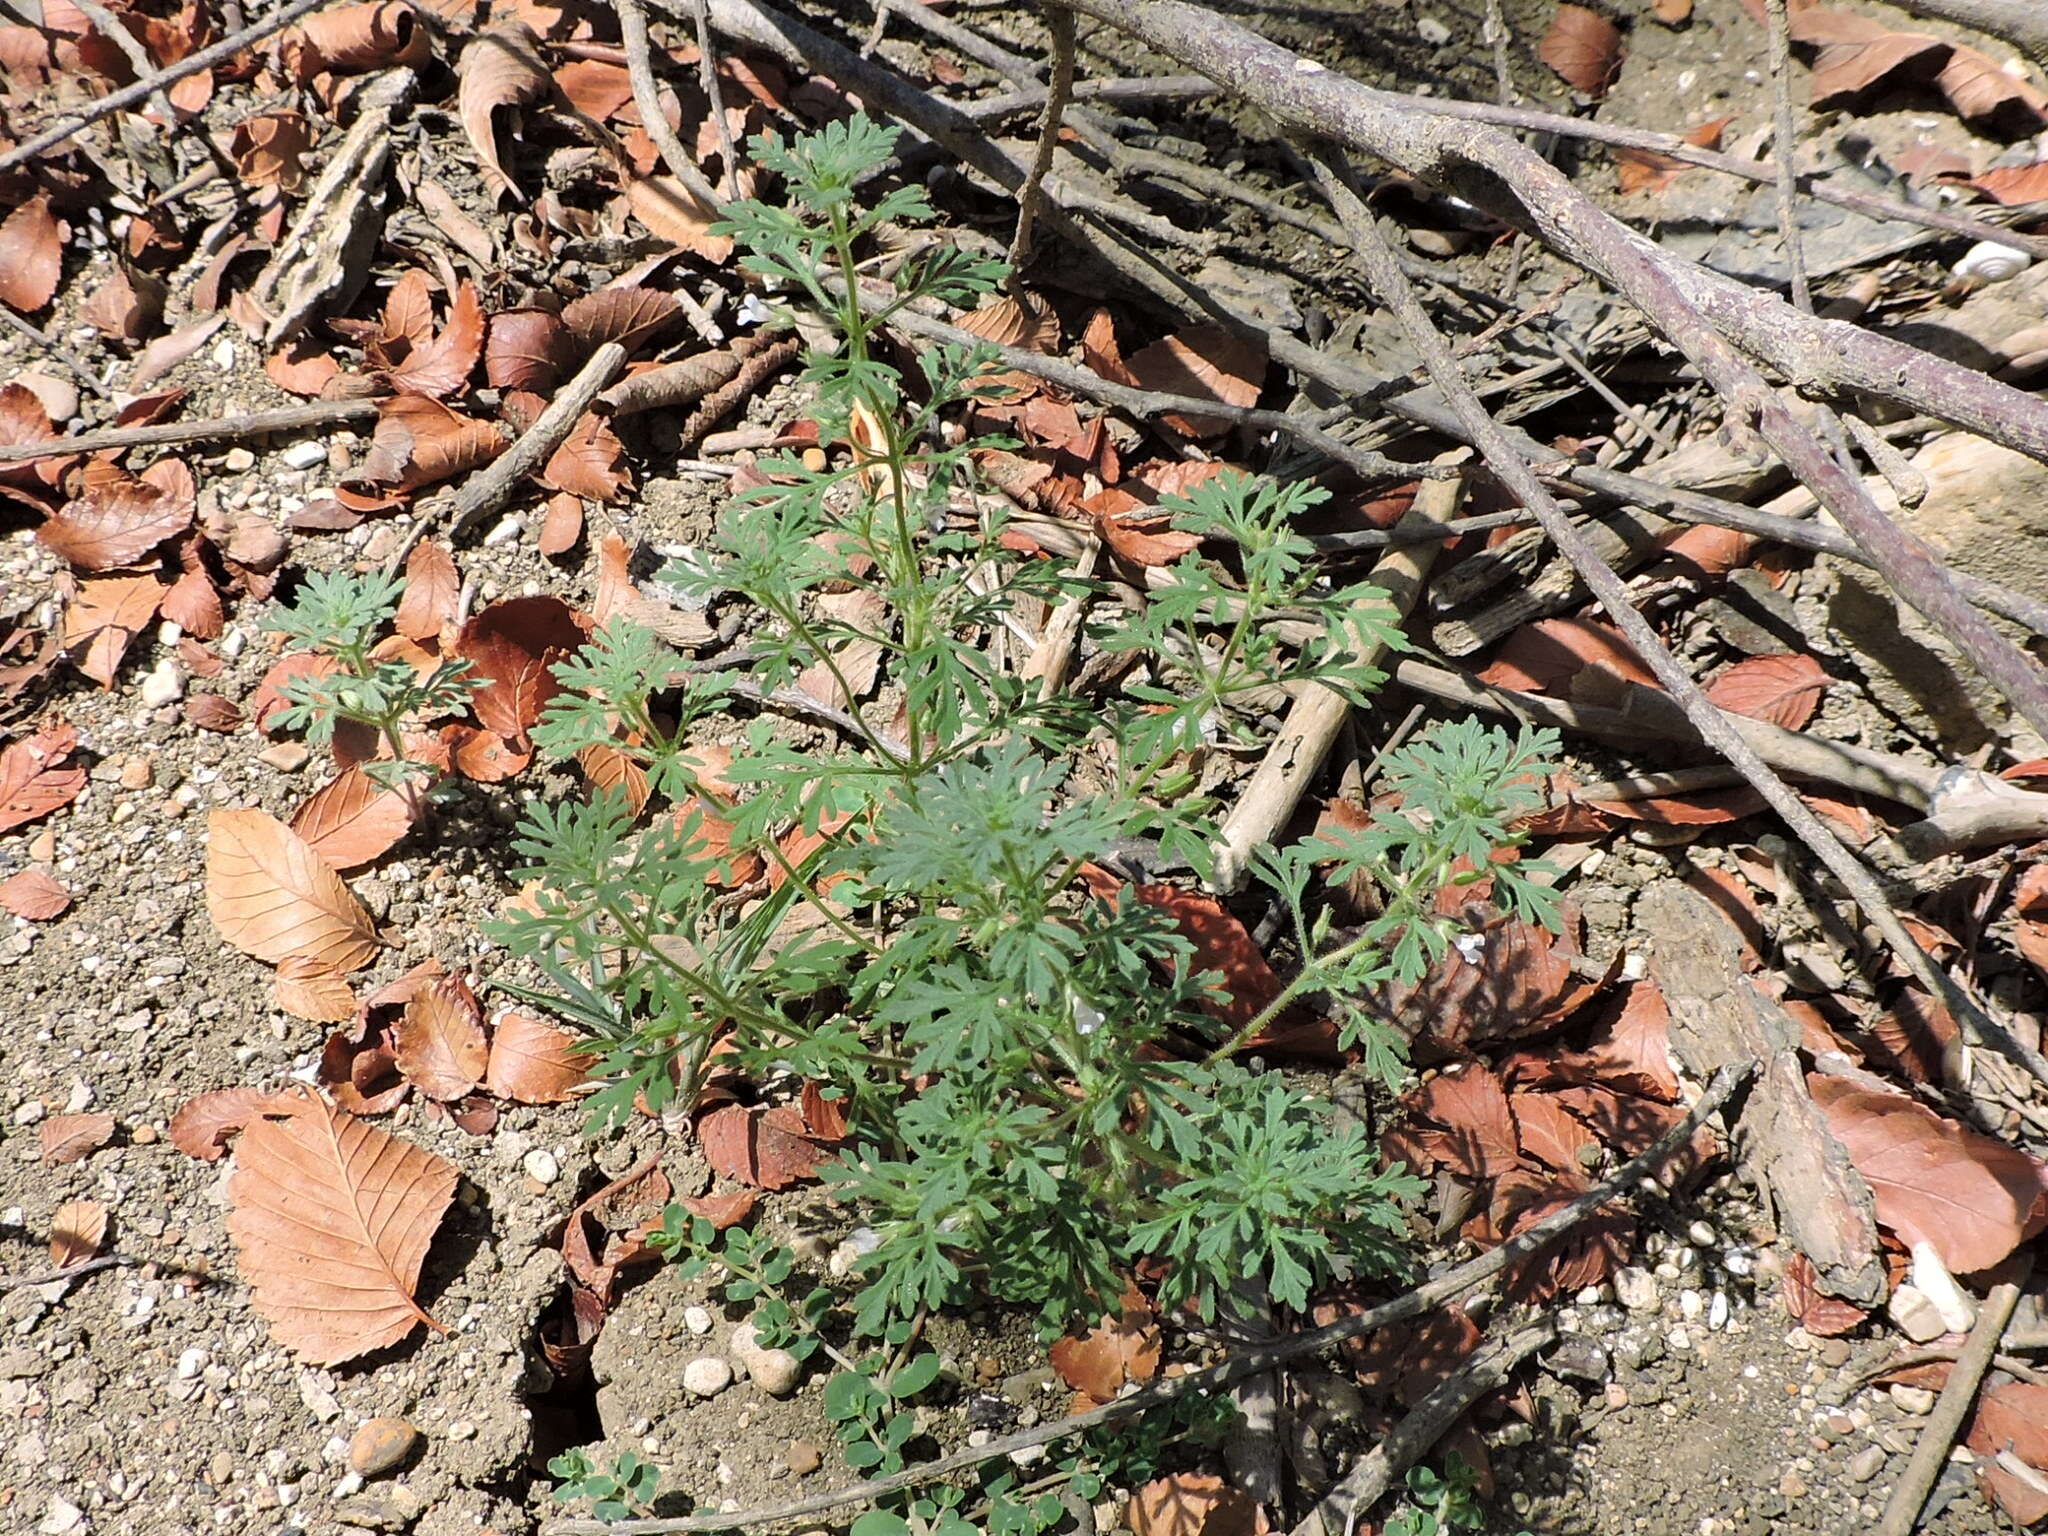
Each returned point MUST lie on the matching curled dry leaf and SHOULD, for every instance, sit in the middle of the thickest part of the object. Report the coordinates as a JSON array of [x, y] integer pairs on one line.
[[331, 1219], [1583, 49], [272, 896], [608, 1231], [269, 149], [1785, 690], [211, 712], [419, 441], [1120, 1348], [361, 1074], [1986, 97], [1545, 656], [1822, 1315], [67, 1138], [512, 647], [1971, 1198], [501, 67], [535, 1063], [1012, 320], [1222, 944], [590, 462], [352, 38], [441, 366], [31, 255], [440, 1040], [104, 619], [78, 1230], [37, 776], [34, 894], [526, 349]]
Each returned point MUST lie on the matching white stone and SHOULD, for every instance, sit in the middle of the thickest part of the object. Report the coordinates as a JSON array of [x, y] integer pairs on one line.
[[775, 1371], [1432, 31], [191, 1363], [1690, 1305], [1931, 1277], [305, 454], [697, 1320], [1702, 1235], [707, 1376], [61, 1516], [541, 1166], [1918, 1318], [1635, 1289], [1717, 1311], [1913, 1400], [165, 685]]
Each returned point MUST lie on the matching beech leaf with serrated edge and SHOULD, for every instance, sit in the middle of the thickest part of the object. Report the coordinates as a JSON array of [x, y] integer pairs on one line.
[[272, 896], [331, 1219]]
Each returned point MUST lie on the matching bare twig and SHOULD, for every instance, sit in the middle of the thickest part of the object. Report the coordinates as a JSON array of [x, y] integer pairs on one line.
[[1484, 1370], [647, 97], [216, 429], [1930, 1452], [148, 85], [1653, 715], [1059, 23], [489, 488], [1784, 153], [80, 369], [1393, 289], [1318, 711], [1525, 1245], [1143, 88], [707, 77], [67, 1272]]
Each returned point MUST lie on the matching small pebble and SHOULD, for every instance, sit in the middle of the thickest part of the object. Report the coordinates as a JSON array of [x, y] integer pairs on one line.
[[803, 1458], [138, 773], [1867, 1463], [707, 1376], [1635, 1289], [1700, 1235], [380, 1446], [285, 756], [1433, 33], [305, 454], [1914, 1400], [541, 1166], [237, 461], [1792, 1485], [1717, 1311], [220, 1468], [697, 1320], [1678, 1340], [1690, 1305], [165, 685]]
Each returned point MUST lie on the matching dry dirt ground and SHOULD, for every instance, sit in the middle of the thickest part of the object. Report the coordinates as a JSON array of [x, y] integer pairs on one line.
[[149, 1398]]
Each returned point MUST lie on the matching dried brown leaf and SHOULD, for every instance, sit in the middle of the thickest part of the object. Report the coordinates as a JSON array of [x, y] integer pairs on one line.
[[535, 1063], [272, 896], [2015, 184], [1645, 170], [331, 1220], [1583, 49], [269, 149], [353, 819], [671, 213], [115, 523], [1986, 97], [500, 68], [767, 1148], [1122, 1347], [1858, 56], [527, 349], [512, 647], [34, 894], [590, 462], [36, 776], [1207, 362], [433, 588], [204, 1122], [1545, 656], [440, 1040], [104, 619], [1013, 321], [1191, 1504], [629, 316], [1784, 690], [31, 255], [441, 367], [305, 990], [1973, 1199], [78, 1230], [68, 1138]]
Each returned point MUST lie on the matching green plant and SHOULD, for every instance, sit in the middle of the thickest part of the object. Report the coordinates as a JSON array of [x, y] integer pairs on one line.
[[626, 1487], [339, 615], [1010, 1046], [1434, 1504]]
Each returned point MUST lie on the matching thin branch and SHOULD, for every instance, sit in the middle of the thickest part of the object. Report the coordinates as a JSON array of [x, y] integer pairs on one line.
[[1528, 1244], [148, 85], [1387, 281], [1930, 1452], [1060, 24], [647, 97], [490, 487], [80, 369], [707, 77], [214, 429], [1784, 153]]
